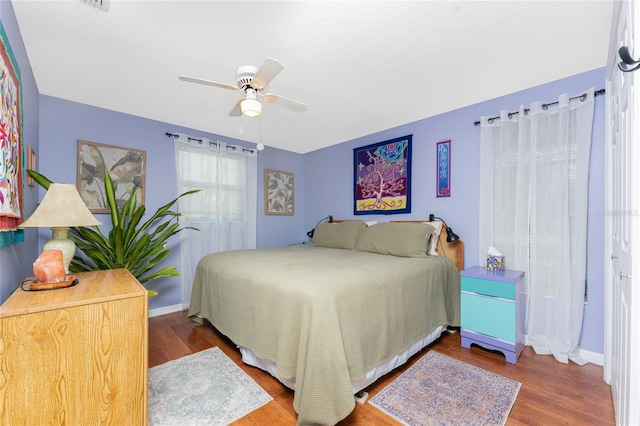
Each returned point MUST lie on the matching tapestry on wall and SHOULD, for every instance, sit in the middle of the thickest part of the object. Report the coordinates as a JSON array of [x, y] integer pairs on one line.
[[382, 177], [10, 145], [443, 158]]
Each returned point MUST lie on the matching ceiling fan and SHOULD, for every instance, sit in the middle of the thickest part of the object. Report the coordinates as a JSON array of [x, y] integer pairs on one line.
[[252, 81]]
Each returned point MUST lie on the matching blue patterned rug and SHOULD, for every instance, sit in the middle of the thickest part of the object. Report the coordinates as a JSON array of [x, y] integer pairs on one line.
[[440, 390], [205, 388]]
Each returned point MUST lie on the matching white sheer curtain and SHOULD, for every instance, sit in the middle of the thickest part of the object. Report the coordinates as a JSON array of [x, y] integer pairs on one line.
[[534, 176], [225, 210]]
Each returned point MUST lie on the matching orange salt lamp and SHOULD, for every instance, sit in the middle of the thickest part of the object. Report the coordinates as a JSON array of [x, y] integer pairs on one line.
[[49, 267]]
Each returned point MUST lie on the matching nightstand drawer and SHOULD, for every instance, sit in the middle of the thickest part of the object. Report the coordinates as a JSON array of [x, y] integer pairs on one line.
[[488, 287], [488, 316]]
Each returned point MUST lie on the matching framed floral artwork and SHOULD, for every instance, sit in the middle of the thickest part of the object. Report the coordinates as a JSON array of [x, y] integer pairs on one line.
[[126, 168], [278, 193], [382, 177]]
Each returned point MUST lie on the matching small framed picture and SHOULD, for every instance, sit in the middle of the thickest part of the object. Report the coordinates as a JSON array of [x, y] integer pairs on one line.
[[31, 163], [278, 193]]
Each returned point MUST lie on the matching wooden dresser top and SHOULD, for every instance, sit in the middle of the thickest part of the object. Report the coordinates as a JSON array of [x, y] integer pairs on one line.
[[93, 287]]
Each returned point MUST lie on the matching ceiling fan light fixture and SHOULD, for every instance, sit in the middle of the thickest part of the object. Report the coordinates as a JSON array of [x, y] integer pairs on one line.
[[251, 107]]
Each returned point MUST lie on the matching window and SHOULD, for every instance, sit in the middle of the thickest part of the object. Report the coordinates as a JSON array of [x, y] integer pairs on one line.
[[224, 210]]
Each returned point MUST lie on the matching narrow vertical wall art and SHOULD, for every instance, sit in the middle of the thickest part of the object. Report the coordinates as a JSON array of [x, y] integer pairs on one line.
[[31, 164], [443, 160]]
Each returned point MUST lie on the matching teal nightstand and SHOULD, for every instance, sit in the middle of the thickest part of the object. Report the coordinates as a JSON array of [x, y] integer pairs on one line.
[[492, 310]]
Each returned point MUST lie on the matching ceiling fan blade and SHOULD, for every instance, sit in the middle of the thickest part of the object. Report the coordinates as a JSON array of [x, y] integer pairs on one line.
[[236, 111], [269, 69], [284, 102], [207, 82]]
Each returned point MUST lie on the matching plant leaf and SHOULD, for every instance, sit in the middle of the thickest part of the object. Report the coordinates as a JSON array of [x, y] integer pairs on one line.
[[39, 179], [171, 271], [110, 194]]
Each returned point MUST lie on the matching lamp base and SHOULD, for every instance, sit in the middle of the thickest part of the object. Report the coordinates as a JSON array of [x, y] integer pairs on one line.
[[59, 241]]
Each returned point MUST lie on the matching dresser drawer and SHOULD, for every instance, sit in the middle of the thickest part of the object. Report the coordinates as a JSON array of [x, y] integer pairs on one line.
[[489, 316], [487, 287]]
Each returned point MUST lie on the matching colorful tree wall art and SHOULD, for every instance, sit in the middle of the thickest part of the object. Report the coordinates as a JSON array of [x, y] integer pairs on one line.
[[382, 177]]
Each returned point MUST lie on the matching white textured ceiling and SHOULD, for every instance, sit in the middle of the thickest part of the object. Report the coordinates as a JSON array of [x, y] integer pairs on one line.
[[361, 66]]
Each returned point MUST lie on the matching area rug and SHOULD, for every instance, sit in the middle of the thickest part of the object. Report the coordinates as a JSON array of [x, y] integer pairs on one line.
[[440, 390], [205, 388]]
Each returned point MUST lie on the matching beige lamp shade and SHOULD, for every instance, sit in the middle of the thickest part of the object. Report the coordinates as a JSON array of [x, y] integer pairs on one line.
[[61, 207]]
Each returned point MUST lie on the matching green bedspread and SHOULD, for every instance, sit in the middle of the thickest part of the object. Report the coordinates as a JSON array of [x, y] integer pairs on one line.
[[324, 316]]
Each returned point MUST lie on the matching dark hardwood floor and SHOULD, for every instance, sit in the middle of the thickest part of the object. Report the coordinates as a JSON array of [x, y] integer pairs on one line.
[[551, 394]]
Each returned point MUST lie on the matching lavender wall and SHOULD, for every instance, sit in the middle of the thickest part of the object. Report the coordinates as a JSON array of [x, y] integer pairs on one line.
[[16, 260], [62, 123], [281, 230], [59, 124], [332, 193]]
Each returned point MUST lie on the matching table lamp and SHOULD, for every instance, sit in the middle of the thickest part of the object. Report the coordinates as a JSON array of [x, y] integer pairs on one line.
[[60, 209]]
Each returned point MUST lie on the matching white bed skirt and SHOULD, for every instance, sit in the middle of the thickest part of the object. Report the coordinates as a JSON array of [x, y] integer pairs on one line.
[[248, 357]]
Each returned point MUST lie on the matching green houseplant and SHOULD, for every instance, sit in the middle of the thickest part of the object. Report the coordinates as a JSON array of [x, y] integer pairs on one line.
[[131, 244]]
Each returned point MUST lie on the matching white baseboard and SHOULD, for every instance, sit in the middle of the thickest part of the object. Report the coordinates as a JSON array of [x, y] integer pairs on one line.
[[592, 357], [588, 356], [166, 310]]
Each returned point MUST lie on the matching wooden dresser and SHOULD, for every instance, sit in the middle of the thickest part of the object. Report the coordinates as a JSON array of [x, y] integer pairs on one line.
[[76, 356]]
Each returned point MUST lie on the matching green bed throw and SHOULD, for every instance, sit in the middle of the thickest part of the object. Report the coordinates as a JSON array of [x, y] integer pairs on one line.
[[324, 316]]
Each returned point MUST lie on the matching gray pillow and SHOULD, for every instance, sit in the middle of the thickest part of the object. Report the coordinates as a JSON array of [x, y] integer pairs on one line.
[[338, 235], [396, 239]]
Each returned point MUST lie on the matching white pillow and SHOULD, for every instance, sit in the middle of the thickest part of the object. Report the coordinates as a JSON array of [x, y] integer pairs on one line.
[[435, 237], [371, 222]]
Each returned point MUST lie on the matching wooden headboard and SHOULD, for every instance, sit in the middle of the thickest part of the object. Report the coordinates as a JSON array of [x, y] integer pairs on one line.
[[453, 251]]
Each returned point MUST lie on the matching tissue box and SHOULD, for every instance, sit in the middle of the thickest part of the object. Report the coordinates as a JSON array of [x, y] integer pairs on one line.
[[495, 263]]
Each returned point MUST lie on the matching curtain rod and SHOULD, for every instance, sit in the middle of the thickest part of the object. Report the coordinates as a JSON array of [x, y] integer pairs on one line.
[[544, 106], [175, 135]]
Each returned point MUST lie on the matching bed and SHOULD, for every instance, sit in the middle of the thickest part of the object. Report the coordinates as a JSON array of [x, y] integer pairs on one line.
[[329, 318]]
